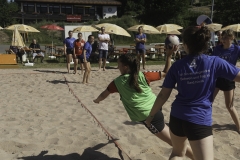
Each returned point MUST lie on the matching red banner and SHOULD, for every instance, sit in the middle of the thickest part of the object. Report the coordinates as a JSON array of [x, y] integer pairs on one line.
[[74, 18]]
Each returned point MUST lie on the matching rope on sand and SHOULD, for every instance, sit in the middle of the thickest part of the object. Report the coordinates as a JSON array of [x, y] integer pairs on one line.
[[99, 124]]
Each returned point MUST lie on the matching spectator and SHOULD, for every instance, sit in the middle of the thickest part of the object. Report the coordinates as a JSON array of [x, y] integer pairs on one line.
[[35, 47]]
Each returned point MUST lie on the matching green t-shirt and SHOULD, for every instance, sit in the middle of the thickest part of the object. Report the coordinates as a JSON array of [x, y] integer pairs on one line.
[[137, 105]]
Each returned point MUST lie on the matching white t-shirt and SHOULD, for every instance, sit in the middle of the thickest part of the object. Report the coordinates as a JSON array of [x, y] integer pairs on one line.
[[103, 45]]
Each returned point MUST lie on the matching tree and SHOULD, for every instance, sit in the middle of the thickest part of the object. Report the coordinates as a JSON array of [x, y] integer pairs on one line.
[[7, 10], [159, 12], [226, 12]]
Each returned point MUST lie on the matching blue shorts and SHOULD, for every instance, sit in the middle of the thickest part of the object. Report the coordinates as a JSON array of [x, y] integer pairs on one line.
[[103, 53], [140, 51], [81, 59]]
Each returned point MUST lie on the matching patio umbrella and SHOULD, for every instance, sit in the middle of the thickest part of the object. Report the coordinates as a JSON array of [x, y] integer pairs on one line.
[[113, 29], [168, 27], [175, 32], [214, 27], [234, 27], [85, 29], [17, 39], [52, 27], [22, 28], [146, 29]]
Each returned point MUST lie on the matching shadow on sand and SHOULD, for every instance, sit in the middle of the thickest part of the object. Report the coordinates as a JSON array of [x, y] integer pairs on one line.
[[218, 127], [90, 153]]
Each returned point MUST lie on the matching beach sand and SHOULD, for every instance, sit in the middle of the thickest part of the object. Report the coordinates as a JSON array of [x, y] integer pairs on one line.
[[41, 119]]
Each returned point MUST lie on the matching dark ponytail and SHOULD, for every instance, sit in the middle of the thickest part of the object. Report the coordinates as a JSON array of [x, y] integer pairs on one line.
[[134, 66], [196, 38]]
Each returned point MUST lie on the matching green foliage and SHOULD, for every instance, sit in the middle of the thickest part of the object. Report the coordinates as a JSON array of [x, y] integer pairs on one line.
[[227, 12], [7, 10]]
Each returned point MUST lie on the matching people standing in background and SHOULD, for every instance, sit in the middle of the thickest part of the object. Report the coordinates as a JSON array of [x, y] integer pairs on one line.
[[68, 48], [230, 52], [84, 58], [140, 40], [36, 50], [77, 52], [103, 48]]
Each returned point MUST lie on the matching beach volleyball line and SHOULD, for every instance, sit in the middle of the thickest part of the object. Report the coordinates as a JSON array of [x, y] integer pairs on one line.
[[98, 123]]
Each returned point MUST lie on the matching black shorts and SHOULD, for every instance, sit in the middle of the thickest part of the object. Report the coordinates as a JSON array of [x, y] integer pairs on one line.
[[140, 51], [69, 51], [187, 129], [157, 123], [225, 84]]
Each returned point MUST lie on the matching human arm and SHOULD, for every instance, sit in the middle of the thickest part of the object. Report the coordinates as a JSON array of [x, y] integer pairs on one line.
[[159, 102], [169, 53], [102, 96], [237, 78]]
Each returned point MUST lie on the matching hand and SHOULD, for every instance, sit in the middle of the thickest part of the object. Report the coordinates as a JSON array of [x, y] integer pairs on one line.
[[95, 101], [169, 51], [149, 120]]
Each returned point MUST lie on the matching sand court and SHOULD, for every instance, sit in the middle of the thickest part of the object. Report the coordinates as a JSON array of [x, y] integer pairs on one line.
[[41, 118]]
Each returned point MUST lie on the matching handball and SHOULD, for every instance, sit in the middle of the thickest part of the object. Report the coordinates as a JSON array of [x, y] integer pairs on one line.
[[171, 40]]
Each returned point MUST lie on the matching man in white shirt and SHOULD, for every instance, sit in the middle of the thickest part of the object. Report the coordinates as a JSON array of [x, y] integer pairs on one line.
[[103, 47]]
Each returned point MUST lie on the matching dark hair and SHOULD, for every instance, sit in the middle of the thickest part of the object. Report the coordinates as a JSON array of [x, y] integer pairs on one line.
[[196, 38], [90, 36], [79, 33], [140, 27], [134, 67], [70, 31]]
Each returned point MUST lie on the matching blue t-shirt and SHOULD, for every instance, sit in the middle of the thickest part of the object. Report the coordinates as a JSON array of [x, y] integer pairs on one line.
[[140, 45], [196, 78], [88, 48], [231, 54], [69, 42]]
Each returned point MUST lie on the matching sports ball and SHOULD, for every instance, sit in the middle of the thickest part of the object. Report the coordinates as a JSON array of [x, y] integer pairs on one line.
[[171, 40]]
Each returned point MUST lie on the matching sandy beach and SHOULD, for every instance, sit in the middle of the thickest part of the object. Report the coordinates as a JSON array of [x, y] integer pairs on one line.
[[42, 118]]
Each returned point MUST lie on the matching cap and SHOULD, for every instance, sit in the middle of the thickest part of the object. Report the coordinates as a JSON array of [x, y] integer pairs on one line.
[[203, 18]]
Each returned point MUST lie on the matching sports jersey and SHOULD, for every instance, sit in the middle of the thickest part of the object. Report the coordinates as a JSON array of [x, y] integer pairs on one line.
[[88, 48], [196, 77], [140, 45], [69, 42], [137, 105], [78, 45], [231, 54]]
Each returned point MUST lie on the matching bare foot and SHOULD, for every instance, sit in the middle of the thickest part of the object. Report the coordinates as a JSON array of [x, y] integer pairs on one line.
[[104, 69], [99, 69]]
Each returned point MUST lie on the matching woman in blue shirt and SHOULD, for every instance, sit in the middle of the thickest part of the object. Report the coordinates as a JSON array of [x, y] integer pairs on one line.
[[191, 112], [229, 52]]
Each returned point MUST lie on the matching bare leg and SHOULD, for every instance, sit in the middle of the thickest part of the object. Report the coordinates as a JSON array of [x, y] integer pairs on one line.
[[203, 149], [165, 136], [86, 73], [81, 64], [229, 98], [179, 147], [104, 64], [75, 65], [100, 63], [68, 56], [143, 60], [215, 93], [89, 71]]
